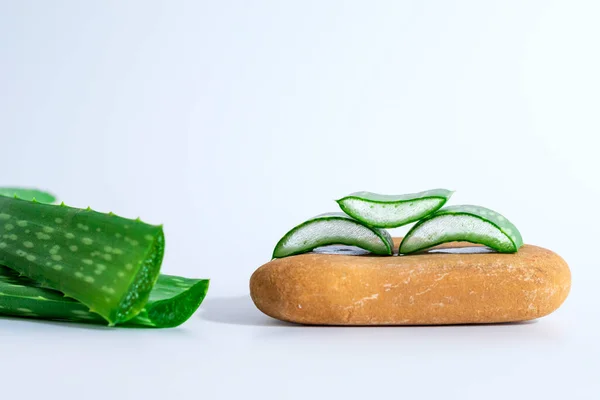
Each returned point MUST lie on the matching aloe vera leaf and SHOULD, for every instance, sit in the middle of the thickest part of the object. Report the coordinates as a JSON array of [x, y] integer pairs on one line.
[[391, 211], [106, 262], [467, 223], [28, 194], [333, 228], [173, 300]]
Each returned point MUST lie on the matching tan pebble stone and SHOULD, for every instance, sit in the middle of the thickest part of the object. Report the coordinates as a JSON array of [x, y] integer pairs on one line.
[[422, 289]]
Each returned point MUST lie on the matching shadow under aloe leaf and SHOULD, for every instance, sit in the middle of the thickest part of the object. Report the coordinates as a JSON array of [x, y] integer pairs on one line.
[[237, 310], [89, 325]]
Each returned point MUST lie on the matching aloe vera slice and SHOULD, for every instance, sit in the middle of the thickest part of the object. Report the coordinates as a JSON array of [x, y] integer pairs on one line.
[[467, 223], [391, 211], [173, 300], [28, 194], [333, 228], [106, 262]]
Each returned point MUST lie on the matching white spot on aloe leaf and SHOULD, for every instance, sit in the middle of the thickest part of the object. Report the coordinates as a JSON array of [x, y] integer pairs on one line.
[[87, 261], [69, 235], [132, 242], [73, 248], [108, 290], [30, 257], [22, 223], [2, 245], [79, 274], [4, 216], [28, 244], [42, 236], [48, 229], [56, 257], [89, 279], [83, 227], [9, 227], [58, 220], [87, 240], [54, 249]]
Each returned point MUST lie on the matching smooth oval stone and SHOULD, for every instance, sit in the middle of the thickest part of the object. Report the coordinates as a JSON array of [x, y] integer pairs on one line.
[[451, 284]]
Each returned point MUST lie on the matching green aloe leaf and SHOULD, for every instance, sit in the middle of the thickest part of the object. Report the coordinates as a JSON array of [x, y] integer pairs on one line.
[[172, 301], [106, 262], [333, 228], [28, 194], [391, 211], [467, 223]]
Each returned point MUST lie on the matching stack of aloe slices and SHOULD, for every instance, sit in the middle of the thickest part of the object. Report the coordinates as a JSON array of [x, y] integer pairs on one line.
[[367, 214], [64, 263]]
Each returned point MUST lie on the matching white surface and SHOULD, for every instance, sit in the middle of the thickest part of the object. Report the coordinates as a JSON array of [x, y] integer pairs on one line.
[[231, 122]]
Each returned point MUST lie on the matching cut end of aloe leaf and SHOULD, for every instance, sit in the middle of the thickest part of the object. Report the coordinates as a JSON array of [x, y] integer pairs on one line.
[[391, 211], [467, 223], [28, 194], [173, 301], [141, 286], [333, 228]]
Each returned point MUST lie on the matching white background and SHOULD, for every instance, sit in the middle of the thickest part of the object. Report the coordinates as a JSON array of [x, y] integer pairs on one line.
[[232, 121]]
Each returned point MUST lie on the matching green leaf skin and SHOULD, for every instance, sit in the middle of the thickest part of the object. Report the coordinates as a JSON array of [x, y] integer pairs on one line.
[[392, 211], [333, 228], [106, 262], [173, 300], [28, 194], [467, 223]]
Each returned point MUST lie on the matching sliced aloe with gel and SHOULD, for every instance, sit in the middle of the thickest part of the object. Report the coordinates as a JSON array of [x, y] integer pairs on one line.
[[333, 228], [106, 262], [391, 211], [172, 301], [466, 223]]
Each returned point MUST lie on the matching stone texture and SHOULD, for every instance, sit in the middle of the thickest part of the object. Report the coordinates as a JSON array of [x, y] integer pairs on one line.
[[421, 289]]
